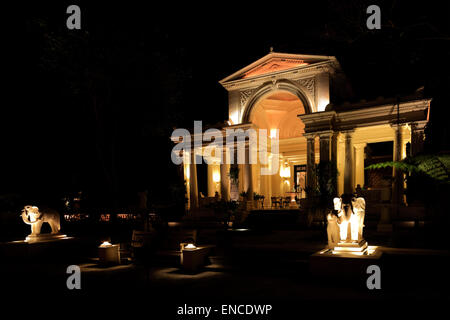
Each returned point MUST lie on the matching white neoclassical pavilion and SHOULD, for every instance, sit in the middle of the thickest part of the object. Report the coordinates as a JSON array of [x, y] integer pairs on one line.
[[292, 93]]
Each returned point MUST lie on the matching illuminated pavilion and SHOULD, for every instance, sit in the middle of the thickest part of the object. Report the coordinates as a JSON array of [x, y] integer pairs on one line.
[[292, 93]]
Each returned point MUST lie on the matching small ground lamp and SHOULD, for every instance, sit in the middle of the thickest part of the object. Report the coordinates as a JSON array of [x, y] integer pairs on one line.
[[187, 245], [108, 253], [192, 257]]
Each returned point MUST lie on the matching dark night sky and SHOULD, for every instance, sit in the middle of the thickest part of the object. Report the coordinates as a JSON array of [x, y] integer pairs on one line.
[[92, 109]]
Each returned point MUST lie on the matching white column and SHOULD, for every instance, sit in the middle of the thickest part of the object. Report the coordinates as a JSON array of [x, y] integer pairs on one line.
[[359, 163], [310, 161], [348, 170], [398, 179], [340, 159], [224, 181], [248, 175], [193, 190], [325, 145], [211, 187], [213, 173], [417, 137]]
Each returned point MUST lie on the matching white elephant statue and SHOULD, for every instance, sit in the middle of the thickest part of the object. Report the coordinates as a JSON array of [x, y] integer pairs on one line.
[[359, 210], [332, 230], [350, 219], [32, 216]]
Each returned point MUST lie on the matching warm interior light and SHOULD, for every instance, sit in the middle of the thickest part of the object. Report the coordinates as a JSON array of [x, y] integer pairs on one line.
[[273, 133], [105, 244], [285, 172], [216, 177]]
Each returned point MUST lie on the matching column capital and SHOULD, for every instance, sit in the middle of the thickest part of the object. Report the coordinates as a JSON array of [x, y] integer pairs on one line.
[[397, 126], [310, 136], [325, 134], [418, 125], [348, 134], [360, 145]]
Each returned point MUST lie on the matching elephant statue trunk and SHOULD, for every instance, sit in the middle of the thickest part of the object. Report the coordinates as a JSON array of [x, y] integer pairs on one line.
[[26, 218], [32, 216]]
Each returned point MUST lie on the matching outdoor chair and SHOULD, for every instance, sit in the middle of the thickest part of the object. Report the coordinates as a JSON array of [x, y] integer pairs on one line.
[[262, 201], [275, 201], [286, 201]]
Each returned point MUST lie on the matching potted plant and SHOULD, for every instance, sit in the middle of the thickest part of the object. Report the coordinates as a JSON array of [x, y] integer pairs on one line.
[[325, 191]]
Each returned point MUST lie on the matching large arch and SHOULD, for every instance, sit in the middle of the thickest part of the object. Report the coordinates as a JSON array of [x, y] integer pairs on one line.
[[268, 88], [276, 106], [279, 109]]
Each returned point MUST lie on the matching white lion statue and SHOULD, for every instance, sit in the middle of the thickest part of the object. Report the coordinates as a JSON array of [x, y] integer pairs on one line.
[[32, 216]]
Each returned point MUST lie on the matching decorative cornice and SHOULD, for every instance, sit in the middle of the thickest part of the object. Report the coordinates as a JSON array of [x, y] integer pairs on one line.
[[310, 59], [325, 134], [410, 111], [293, 74], [318, 121]]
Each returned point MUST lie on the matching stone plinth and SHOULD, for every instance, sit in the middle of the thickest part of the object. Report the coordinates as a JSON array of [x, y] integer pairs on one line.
[[350, 261], [45, 237], [193, 259], [46, 249], [109, 254], [353, 248]]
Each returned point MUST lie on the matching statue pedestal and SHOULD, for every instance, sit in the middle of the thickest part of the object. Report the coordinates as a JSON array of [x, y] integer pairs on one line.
[[109, 254], [44, 237], [346, 259], [353, 248], [49, 249]]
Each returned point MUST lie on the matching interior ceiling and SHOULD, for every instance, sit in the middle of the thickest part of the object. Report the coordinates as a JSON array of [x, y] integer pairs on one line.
[[279, 111]]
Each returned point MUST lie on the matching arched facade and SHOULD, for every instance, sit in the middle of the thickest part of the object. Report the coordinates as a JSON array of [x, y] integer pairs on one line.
[[290, 92], [283, 85]]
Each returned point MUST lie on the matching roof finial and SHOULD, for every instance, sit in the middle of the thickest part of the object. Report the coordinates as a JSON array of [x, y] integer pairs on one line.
[[271, 49]]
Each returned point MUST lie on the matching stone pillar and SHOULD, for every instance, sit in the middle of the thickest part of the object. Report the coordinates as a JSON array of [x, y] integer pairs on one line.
[[224, 181], [310, 162], [340, 160], [234, 187], [193, 192], [328, 149], [325, 145], [248, 175], [210, 181], [334, 146], [359, 164], [397, 175], [417, 137], [348, 166]]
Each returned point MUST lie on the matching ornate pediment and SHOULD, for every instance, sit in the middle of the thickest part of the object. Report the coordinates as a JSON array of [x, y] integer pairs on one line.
[[293, 66], [272, 65]]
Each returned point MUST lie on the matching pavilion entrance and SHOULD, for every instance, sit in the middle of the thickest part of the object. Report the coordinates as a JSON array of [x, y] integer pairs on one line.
[[279, 110]]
